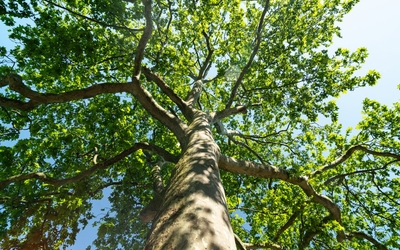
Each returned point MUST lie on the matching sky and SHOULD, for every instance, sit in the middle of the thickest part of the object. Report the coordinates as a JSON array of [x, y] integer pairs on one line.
[[376, 26], [372, 24]]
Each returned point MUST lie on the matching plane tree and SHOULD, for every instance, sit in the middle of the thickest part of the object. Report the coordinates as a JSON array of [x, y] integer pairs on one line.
[[206, 124]]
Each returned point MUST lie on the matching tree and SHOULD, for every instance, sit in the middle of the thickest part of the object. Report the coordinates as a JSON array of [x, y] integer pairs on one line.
[[199, 116]]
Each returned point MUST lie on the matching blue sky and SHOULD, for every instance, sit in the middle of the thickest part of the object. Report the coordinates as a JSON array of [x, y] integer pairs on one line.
[[371, 24], [375, 26]]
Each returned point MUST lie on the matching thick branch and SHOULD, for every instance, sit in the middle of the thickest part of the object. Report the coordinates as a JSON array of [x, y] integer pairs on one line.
[[143, 40], [269, 171], [102, 165], [143, 96], [15, 83], [16, 104], [252, 56], [250, 168], [349, 153], [362, 235], [386, 154], [332, 207]]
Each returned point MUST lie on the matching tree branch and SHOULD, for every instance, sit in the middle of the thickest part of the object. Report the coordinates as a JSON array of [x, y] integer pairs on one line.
[[309, 235], [171, 121], [144, 97], [269, 171], [239, 243], [206, 65], [332, 207], [340, 176], [251, 168], [94, 20], [143, 40], [219, 115], [349, 153], [102, 165], [165, 41], [15, 83], [150, 211], [248, 148], [287, 224], [252, 56], [166, 89], [365, 236], [194, 93], [4, 199], [382, 191]]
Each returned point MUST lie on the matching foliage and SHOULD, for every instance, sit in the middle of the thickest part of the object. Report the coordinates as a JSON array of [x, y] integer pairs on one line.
[[286, 77]]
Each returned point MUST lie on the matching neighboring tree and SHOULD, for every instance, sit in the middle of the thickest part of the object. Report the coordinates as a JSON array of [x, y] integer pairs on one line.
[[200, 116]]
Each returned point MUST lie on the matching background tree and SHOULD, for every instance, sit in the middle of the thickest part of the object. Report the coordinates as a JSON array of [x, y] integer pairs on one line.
[[152, 99]]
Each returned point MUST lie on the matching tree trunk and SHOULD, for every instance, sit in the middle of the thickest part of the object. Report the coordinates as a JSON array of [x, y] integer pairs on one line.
[[194, 214]]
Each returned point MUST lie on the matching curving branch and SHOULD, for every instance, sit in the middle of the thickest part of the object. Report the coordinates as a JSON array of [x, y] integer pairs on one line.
[[207, 63], [252, 56], [365, 236], [15, 83], [143, 96], [102, 165], [143, 40], [371, 171], [269, 171], [94, 20], [337, 161], [349, 153], [333, 208], [290, 222]]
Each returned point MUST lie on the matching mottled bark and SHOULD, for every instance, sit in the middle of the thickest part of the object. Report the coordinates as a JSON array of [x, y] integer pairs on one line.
[[194, 214]]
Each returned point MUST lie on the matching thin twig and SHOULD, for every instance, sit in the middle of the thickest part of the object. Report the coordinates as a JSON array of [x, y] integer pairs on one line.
[[94, 20]]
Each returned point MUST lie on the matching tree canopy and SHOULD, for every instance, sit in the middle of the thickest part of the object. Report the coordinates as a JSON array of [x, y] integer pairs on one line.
[[97, 97]]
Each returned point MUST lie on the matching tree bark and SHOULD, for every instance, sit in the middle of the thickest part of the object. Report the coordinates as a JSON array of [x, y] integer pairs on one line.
[[193, 214]]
